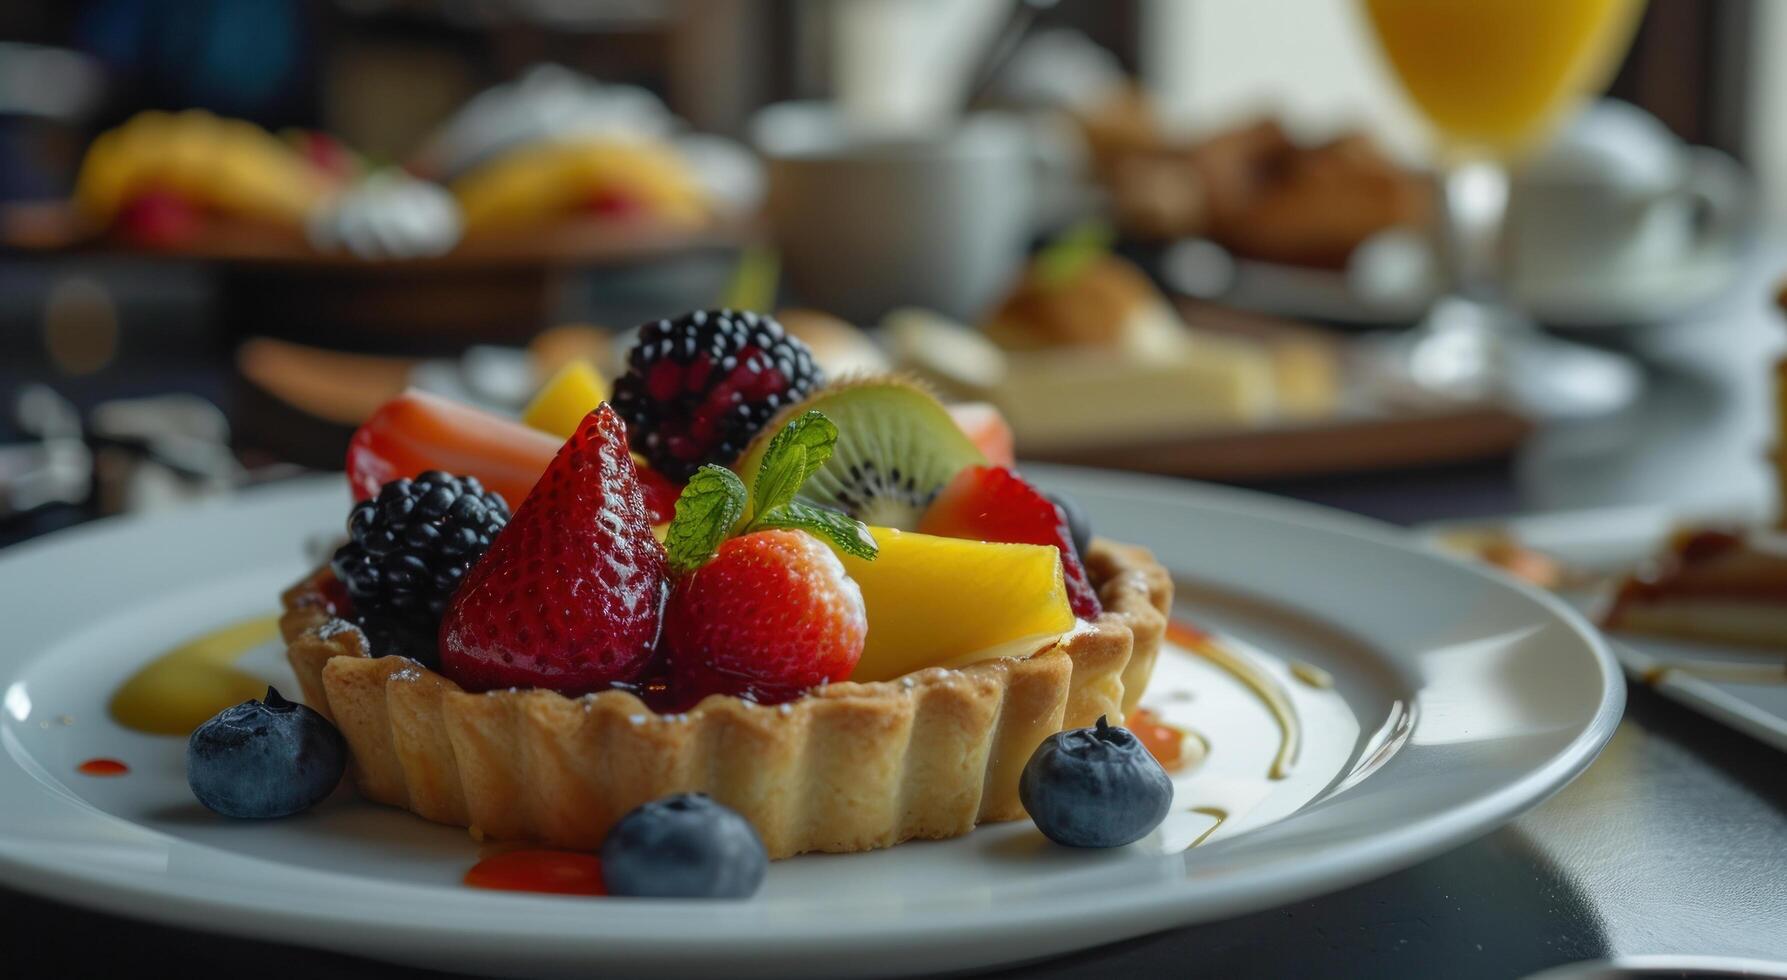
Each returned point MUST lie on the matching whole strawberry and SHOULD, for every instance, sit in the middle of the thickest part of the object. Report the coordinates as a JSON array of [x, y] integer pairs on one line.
[[770, 615], [570, 595]]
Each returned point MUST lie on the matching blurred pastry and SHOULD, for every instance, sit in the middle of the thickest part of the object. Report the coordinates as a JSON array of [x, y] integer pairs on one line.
[[546, 102], [550, 104], [1323, 203], [1082, 395], [1253, 189], [160, 177], [839, 347], [1712, 586], [598, 177], [1106, 302], [1085, 350]]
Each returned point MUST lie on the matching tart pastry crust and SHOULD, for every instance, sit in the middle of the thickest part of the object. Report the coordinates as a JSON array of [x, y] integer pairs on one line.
[[848, 767]]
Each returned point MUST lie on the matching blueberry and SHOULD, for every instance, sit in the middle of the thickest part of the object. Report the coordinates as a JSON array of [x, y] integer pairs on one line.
[[683, 846], [1077, 523], [1095, 787], [263, 759]]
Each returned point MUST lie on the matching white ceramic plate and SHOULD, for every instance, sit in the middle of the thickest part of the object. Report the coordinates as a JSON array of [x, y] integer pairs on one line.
[[1742, 687], [1459, 701]]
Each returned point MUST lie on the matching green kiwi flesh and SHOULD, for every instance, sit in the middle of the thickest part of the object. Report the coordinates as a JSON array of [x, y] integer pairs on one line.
[[897, 447]]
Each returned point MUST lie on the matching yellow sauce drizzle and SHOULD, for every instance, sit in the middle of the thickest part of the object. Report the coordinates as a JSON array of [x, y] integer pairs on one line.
[[1209, 811], [1266, 688], [1312, 675], [181, 689]]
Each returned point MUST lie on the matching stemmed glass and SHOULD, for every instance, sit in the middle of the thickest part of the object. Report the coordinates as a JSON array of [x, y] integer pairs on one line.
[[1494, 78]]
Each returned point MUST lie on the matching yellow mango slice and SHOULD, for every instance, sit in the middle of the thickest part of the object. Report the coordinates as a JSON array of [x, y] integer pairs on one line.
[[950, 602], [560, 406]]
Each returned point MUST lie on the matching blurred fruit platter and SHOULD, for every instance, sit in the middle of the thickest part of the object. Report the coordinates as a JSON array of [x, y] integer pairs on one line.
[[1087, 365], [194, 185]]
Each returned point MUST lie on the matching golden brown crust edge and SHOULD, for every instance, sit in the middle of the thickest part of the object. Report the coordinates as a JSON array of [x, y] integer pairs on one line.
[[849, 767]]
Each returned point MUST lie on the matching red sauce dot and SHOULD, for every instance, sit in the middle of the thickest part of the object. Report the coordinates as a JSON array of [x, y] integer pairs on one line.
[[1163, 741], [102, 767], [551, 872]]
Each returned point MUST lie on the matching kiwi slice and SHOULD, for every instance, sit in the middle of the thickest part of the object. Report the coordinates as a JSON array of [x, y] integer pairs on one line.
[[897, 447]]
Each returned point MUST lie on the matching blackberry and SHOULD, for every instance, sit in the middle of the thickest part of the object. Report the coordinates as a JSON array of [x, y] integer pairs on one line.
[[699, 387], [407, 550]]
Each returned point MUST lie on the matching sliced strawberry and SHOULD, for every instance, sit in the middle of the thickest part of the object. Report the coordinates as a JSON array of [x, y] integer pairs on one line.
[[660, 494], [570, 594], [986, 427], [416, 432], [991, 503], [769, 616]]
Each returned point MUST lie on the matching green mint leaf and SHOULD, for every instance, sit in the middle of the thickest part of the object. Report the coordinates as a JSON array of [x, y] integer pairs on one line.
[[712, 502], [794, 454], [1073, 251], [846, 533]]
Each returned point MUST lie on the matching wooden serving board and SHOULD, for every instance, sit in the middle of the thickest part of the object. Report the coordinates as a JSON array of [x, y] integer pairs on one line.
[[1363, 430]]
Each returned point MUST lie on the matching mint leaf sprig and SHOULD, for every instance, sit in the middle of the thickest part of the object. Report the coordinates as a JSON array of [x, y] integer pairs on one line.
[[715, 499]]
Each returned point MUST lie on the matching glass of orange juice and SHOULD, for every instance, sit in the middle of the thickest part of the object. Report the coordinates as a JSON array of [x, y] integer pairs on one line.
[[1494, 79]]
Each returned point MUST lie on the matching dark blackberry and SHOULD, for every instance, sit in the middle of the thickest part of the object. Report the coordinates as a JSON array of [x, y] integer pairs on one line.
[[699, 387], [407, 550]]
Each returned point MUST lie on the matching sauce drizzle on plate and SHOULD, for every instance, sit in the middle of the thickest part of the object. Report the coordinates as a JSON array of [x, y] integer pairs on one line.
[[102, 767], [1255, 678], [181, 689], [548, 872]]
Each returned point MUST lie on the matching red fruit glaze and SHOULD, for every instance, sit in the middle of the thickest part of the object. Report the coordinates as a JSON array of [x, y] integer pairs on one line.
[[548, 872], [570, 594], [991, 503], [771, 615], [660, 494], [415, 432]]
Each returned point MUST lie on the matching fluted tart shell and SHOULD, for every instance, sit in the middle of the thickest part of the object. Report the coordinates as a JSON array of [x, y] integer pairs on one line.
[[847, 767]]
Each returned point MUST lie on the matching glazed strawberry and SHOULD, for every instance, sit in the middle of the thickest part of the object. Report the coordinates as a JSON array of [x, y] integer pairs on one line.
[[769, 616], [570, 593], [417, 432], [991, 503]]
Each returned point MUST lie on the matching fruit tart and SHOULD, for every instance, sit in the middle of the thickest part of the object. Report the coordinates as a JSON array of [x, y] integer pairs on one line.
[[164, 179], [819, 605]]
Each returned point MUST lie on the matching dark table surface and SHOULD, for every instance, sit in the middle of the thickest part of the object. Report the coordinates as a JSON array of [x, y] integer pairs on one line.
[[1673, 842]]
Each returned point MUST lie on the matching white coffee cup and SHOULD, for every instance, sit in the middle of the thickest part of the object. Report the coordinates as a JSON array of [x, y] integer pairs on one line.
[[870, 219], [1618, 196]]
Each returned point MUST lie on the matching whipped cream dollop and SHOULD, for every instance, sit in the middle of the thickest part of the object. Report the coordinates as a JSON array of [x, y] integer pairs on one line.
[[552, 102], [547, 102], [389, 215]]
